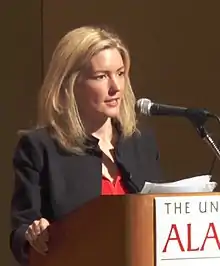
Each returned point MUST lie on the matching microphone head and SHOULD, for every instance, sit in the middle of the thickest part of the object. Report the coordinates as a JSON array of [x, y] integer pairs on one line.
[[144, 105]]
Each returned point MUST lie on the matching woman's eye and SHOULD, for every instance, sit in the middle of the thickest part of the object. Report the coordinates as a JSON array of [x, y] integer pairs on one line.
[[100, 77], [121, 73]]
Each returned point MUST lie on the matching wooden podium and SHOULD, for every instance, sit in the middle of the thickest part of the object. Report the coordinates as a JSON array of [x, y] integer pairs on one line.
[[108, 231]]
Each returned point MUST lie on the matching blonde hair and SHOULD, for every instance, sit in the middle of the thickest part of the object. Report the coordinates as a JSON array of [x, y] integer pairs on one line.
[[57, 105]]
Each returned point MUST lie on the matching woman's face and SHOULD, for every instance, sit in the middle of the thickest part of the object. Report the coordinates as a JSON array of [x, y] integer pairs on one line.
[[101, 86]]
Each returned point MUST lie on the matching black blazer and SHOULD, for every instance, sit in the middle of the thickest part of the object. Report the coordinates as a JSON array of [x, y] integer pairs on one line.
[[50, 182]]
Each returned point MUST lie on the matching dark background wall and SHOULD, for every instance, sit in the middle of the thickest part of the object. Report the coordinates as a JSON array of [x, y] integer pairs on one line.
[[175, 59], [20, 75]]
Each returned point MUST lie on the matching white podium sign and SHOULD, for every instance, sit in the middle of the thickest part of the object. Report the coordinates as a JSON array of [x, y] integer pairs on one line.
[[188, 231]]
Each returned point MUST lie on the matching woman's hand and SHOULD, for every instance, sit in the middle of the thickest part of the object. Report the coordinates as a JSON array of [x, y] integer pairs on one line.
[[37, 235]]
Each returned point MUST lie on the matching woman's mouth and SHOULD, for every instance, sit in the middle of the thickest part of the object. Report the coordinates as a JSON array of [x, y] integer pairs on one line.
[[112, 102]]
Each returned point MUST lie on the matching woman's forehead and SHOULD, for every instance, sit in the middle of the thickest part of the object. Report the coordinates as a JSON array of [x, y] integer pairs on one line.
[[108, 59]]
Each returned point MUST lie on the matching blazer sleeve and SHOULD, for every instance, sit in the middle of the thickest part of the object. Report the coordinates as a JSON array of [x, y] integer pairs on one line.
[[26, 199]]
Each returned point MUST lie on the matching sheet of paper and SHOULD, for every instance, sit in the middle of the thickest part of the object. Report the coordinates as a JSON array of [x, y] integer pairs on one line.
[[193, 184]]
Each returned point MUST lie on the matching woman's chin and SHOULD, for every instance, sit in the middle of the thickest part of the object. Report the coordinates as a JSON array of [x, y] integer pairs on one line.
[[112, 113]]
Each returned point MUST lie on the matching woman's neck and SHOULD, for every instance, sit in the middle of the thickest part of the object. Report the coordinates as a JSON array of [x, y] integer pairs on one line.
[[105, 132], [101, 130]]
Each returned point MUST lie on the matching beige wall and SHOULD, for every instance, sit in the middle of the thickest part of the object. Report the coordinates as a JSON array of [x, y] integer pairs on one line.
[[175, 59]]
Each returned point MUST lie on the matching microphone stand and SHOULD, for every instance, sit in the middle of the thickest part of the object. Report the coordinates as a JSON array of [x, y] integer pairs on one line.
[[199, 122], [206, 137]]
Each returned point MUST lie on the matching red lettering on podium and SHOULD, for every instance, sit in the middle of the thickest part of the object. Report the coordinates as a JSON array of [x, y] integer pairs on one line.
[[189, 239], [211, 234], [214, 236], [176, 238]]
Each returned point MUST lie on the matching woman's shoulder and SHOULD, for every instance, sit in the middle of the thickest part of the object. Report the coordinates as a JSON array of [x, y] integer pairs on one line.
[[32, 147], [142, 139], [35, 136], [145, 139], [37, 140], [143, 135]]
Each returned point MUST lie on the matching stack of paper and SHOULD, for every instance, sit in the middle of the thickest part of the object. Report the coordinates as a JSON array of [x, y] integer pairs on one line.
[[194, 184]]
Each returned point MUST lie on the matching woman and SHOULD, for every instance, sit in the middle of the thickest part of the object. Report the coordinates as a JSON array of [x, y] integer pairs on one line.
[[86, 143]]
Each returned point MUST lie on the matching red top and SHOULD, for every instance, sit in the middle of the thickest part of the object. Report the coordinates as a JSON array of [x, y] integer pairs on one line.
[[113, 188]]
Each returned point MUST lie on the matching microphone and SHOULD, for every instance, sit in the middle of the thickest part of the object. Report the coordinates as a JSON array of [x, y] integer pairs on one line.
[[147, 107], [197, 116]]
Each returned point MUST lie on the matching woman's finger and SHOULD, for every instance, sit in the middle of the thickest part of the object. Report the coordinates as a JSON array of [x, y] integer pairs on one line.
[[42, 238], [31, 233], [37, 243], [37, 235], [43, 224], [28, 236], [36, 228], [38, 247]]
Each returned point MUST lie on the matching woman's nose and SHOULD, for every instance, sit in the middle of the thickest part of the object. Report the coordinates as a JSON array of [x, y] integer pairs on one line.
[[114, 86]]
